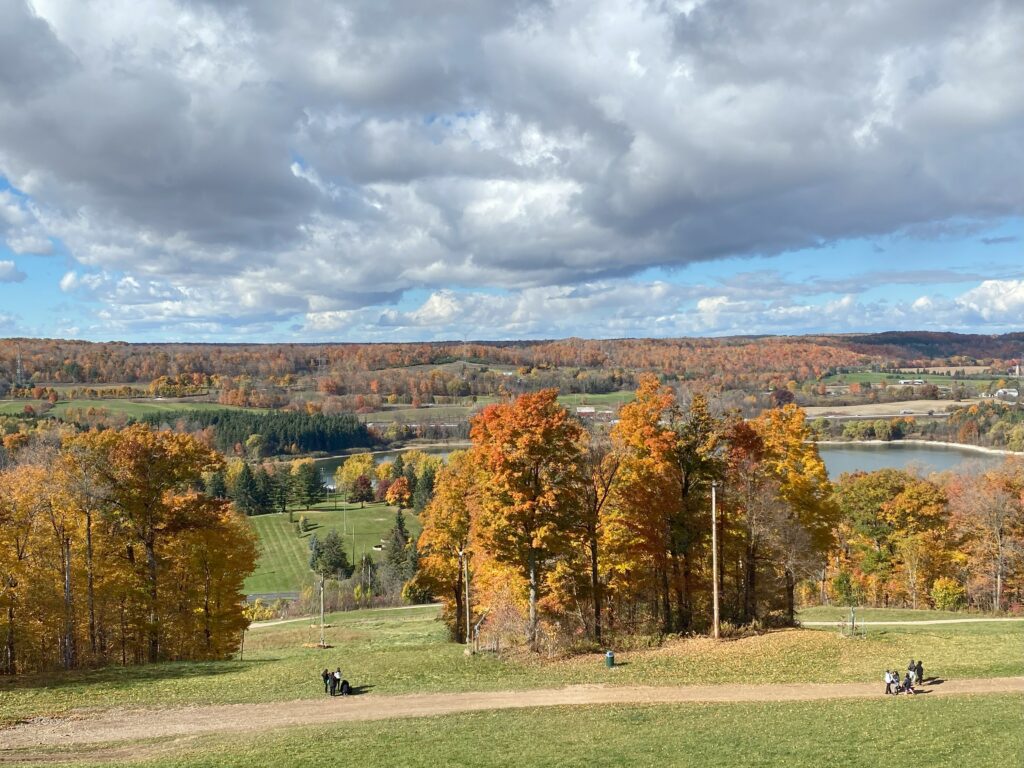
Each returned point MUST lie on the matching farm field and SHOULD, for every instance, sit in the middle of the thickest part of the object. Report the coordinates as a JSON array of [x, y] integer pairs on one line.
[[972, 378], [131, 408], [458, 413], [876, 410], [284, 555]]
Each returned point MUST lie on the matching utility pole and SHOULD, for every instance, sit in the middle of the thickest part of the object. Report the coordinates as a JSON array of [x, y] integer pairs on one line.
[[465, 567], [322, 579], [714, 556]]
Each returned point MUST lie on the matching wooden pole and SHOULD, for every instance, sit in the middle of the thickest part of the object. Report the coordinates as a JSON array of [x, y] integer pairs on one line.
[[714, 557], [322, 643], [465, 567]]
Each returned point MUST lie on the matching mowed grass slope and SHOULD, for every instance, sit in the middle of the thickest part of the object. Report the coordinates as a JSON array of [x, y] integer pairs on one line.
[[981, 732], [283, 565], [130, 408], [407, 651]]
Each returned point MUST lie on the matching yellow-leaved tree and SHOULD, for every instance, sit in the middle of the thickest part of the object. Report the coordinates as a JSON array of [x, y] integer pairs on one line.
[[530, 452]]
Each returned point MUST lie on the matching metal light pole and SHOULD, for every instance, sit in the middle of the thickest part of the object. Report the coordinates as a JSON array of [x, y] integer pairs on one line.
[[714, 556]]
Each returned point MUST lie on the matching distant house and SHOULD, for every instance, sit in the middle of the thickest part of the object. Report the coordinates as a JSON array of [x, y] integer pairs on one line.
[[912, 381], [1007, 392], [586, 410]]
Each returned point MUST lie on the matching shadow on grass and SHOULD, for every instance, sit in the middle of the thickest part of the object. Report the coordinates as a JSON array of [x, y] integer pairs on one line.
[[127, 676]]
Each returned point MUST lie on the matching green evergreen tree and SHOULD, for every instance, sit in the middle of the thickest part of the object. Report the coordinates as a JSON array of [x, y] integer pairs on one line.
[[398, 467], [308, 485], [424, 490], [244, 491], [216, 485]]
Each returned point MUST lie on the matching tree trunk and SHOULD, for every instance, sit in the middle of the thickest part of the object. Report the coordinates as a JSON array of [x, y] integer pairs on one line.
[[790, 597], [461, 632], [90, 594], [750, 582], [11, 660], [595, 585], [207, 626], [686, 608], [534, 585], [666, 602], [153, 630], [69, 607], [998, 595]]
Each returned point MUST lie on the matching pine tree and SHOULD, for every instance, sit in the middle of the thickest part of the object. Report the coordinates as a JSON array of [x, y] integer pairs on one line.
[[424, 491], [244, 491]]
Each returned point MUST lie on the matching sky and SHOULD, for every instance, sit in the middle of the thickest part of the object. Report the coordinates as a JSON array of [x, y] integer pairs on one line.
[[213, 170]]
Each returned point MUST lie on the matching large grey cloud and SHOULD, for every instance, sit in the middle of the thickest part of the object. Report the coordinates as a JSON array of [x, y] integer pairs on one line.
[[248, 162]]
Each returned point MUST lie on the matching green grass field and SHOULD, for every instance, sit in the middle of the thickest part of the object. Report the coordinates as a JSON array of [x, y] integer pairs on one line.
[[132, 408], [406, 650], [284, 555], [981, 732], [893, 379], [838, 614]]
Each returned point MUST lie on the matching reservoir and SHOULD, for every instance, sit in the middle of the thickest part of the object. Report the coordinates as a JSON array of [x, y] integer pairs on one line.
[[839, 458], [850, 457]]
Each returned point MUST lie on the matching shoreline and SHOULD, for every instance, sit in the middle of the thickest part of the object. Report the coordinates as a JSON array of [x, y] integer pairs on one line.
[[455, 446], [915, 441]]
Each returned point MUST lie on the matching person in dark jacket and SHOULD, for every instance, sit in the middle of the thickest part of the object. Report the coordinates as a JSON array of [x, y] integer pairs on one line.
[[333, 683], [920, 672], [326, 675]]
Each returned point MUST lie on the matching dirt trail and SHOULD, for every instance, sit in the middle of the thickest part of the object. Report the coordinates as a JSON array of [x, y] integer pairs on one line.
[[29, 740]]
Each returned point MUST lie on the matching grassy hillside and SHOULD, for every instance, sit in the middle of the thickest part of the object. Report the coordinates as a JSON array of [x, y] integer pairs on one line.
[[406, 651], [284, 555], [982, 732]]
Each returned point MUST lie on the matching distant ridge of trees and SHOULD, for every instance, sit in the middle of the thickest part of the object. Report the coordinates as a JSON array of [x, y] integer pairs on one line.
[[60, 361]]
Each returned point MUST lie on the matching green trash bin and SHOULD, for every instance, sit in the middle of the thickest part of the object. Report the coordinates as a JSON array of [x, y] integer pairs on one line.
[[609, 659]]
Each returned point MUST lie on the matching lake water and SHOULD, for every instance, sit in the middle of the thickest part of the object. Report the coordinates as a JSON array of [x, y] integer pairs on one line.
[[330, 465], [838, 459], [928, 458]]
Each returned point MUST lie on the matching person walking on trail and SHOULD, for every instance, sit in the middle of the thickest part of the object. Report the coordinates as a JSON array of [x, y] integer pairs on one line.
[[908, 685], [333, 681], [326, 675], [336, 679], [920, 672], [888, 682]]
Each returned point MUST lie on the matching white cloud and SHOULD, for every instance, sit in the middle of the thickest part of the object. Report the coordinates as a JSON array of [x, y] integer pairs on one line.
[[997, 301], [9, 273], [238, 164]]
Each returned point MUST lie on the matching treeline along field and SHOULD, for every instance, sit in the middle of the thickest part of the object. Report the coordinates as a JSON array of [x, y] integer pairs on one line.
[[276, 431]]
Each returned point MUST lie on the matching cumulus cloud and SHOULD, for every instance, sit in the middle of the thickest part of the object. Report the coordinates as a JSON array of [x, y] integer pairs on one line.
[[9, 273], [237, 164]]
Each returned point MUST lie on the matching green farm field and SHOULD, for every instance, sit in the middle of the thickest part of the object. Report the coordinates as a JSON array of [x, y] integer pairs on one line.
[[893, 379], [131, 408], [284, 555]]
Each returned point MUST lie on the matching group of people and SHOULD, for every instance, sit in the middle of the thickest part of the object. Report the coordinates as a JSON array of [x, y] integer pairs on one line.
[[334, 684], [914, 675]]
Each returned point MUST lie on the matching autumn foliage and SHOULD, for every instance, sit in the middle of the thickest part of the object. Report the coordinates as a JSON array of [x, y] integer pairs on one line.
[[585, 534], [109, 555]]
